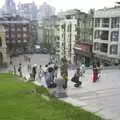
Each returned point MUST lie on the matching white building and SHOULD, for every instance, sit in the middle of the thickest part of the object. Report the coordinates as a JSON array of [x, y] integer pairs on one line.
[[4, 59], [106, 41], [66, 32]]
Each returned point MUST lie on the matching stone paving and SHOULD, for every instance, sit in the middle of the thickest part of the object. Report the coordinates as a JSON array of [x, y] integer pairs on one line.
[[101, 97]]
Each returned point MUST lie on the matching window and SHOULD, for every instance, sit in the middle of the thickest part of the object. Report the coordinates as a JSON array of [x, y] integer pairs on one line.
[[18, 29], [97, 22], [58, 37], [115, 22], [18, 35], [104, 47], [104, 35], [0, 41], [24, 35], [114, 49], [12, 35], [57, 45], [114, 36], [25, 41], [13, 29], [105, 22], [25, 29], [97, 34]]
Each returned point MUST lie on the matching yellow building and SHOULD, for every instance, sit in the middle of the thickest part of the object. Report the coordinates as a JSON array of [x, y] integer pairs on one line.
[[3, 47]]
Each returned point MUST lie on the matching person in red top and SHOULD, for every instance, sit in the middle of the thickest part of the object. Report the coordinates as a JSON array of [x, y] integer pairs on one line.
[[94, 73]]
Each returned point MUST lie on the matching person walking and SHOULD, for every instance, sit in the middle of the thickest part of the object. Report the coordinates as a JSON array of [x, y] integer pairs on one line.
[[95, 73], [50, 76], [82, 68], [64, 71], [20, 69], [34, 71], [14, 69], [40, 72]]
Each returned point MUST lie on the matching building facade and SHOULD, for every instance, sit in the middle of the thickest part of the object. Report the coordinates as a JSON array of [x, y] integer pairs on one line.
[[4, 59], [28, 11], [17, 32], [84, 38], [45, 11], [106, 42], [65, 35], [10, 7]]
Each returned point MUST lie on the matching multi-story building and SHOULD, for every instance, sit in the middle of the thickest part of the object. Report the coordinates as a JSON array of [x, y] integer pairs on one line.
[[33, 32], [65, 35], [106, 42], [44, 19], [4, 59], [45, 11], [40, 31], [10, 7], [17, 32], [84, 38], [28, 11], [49, 33]]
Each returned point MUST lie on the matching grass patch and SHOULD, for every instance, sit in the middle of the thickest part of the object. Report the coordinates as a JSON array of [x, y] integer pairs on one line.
[[19, 102]]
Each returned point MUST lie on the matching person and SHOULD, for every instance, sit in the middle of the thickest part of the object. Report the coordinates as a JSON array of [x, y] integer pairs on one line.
[[50, 81], [64, 71], [45, 71], [95, 73], [40, 72], [14, 69], [55, 72], [20, 69], [34, 71], [82, 68], [99, 68], [29, 67], [76, 77]]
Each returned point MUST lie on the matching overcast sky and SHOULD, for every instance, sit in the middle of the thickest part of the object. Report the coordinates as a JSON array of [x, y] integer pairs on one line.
[[84, 5]]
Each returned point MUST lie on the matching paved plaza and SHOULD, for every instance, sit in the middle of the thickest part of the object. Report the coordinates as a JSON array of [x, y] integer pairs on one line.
[[101, 97]]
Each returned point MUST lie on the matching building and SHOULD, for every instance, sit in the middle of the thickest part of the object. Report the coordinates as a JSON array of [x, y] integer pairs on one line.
[[33, 29], [45, 11], [40, 32], [28, 11], [10, 7], [84, 38], [3, 48], [17, 32], [49, 34], [44, 19], [106, 41], [65, 35]]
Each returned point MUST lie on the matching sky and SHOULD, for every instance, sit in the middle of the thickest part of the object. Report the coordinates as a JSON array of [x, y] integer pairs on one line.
[[83, 5]]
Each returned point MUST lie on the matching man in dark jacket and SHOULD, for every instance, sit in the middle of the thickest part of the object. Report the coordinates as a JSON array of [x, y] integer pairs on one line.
[[64, 71]]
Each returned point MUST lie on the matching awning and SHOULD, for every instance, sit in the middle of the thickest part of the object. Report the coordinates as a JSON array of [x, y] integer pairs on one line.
[[83, 48]]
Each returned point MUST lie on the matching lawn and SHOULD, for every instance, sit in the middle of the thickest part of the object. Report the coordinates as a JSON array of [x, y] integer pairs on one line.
[[18, 101]]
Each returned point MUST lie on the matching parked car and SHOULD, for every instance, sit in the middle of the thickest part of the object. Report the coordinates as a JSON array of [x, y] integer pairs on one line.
[[44, 51], [38, 51]]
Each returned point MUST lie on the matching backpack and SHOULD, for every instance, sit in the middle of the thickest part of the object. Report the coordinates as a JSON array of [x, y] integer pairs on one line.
[[50, 69]]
